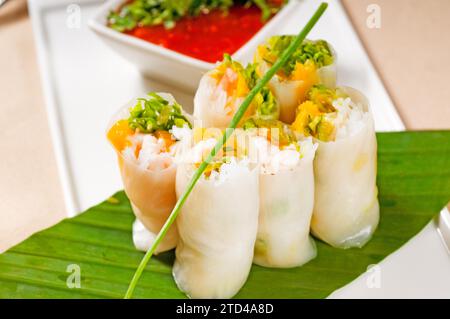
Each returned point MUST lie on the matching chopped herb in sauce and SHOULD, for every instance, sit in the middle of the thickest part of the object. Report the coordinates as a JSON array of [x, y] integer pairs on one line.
[[138, 13]]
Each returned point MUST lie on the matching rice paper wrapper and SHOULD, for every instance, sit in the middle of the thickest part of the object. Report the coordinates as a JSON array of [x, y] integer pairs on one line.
[[327, 74], [286, 205], [217, 227], [152, 196], [151, 192], [346, 209]]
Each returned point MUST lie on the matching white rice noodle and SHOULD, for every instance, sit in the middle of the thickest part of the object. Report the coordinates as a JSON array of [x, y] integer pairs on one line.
[[346, 209], [348, 119], [286, 205], [217, 227], [212, 105]]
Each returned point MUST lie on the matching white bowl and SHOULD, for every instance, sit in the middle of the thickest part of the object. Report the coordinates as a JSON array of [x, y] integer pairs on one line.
[[168, 66]]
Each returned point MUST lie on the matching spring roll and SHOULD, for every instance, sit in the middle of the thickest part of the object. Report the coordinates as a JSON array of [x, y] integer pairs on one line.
[[145, 136], [286, 202], [346, 209], [314, 62], [217, 226], [286, 194], [222, 90]]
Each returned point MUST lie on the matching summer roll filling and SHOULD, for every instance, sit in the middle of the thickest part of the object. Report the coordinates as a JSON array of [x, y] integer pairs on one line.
[[146, 137], [312, 63], [222, 90], [346, 209], [217, 224], [286, 190]]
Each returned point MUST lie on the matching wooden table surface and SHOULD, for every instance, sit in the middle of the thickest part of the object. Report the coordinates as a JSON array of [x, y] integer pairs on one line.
[[410, 51]]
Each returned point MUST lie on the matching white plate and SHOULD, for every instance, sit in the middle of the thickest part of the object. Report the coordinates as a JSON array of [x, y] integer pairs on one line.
[[85, 83]]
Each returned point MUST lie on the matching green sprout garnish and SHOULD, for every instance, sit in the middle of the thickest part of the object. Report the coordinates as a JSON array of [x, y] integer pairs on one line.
[[267, 107], [317, 52], [156, 114]]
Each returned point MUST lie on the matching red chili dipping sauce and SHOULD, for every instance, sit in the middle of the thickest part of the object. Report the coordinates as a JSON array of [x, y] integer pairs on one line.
[[208, 36]]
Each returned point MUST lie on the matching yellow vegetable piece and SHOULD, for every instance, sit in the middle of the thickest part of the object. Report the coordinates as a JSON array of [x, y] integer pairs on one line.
[[307, 73], [324, 97], [263, 54], [325, 131], [310, 121], [305, 113], [118, 135], [241, 86]]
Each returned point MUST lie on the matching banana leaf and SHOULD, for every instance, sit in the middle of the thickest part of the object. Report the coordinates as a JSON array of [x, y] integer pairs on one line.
[[414, 185]]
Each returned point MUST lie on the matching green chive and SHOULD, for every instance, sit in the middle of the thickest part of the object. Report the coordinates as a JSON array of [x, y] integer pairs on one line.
[[236, 119]]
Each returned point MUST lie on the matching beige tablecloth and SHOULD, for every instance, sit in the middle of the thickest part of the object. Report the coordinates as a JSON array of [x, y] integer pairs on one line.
[[410, 52]]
